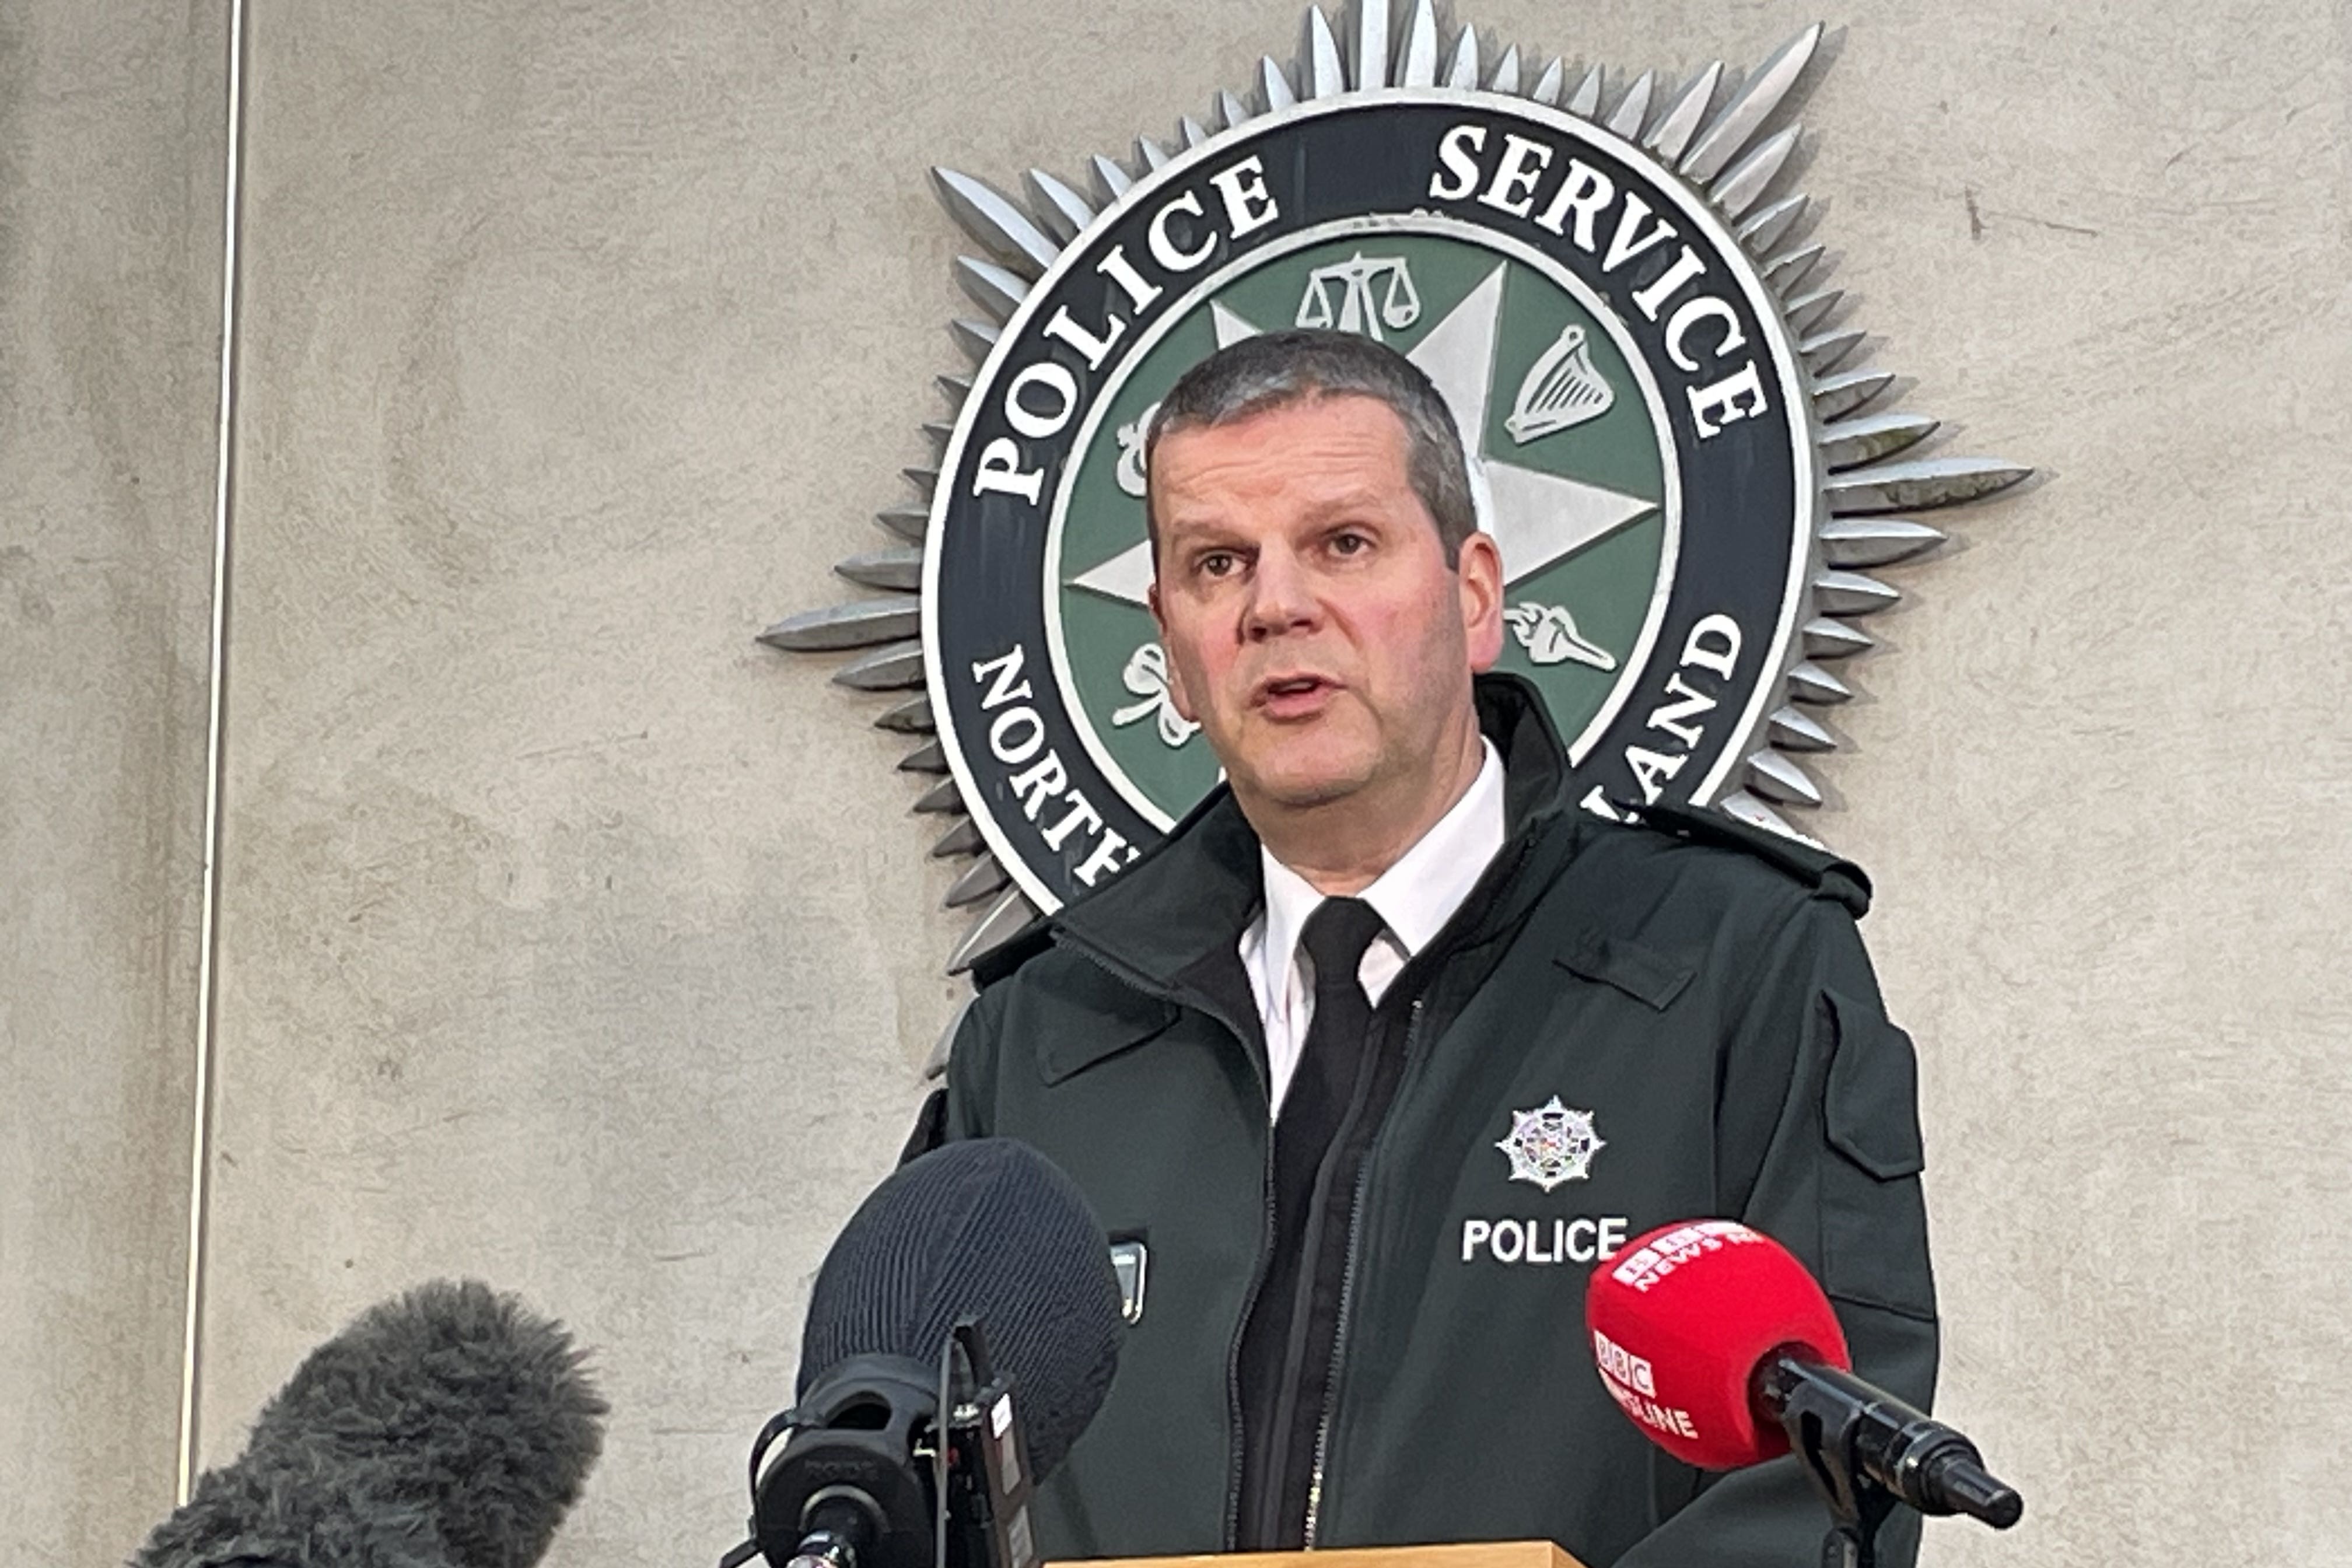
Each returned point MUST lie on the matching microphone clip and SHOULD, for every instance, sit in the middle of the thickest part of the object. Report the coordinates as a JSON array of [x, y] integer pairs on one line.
[[1865, 1451], [1826, 1434], [882, 1465]]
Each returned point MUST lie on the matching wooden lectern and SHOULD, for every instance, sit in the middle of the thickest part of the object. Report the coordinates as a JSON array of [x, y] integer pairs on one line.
[[1463, 1554]]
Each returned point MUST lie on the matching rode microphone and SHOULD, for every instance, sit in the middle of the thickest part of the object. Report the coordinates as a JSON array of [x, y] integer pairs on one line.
[[1723, 1350], [972, 1282], [449, 1429]]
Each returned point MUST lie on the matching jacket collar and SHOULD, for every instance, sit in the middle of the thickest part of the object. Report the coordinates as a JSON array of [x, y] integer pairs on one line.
[[1185, 903]]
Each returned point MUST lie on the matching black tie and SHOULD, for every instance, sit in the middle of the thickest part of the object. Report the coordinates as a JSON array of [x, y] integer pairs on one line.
[[1335, 937], [1331, 1066]]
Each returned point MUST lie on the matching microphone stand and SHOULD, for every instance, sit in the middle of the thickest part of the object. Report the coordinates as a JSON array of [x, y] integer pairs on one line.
[[1826, 1434], [881, 1467], [1865, 1451]]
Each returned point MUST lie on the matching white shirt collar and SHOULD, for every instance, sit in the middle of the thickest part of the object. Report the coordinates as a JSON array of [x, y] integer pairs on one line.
[[1415, 897], [1420, 893]]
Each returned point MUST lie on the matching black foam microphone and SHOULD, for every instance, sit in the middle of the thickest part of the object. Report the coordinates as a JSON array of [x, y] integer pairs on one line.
[[982, 1252], [449, 1429]]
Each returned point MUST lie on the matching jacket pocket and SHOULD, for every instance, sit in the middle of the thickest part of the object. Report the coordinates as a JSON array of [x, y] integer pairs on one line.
[[1874, 1217], [1642, 972], [1067, 1052]]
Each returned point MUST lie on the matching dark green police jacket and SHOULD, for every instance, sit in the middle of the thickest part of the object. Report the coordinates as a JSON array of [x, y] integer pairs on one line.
[[1700, 990]]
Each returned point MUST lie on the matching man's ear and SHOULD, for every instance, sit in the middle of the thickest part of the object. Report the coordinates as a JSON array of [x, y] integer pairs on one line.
[[1182, 704], [1478, 575]]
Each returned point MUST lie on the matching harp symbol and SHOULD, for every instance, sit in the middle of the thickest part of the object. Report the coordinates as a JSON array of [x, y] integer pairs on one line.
[[1561, 390]]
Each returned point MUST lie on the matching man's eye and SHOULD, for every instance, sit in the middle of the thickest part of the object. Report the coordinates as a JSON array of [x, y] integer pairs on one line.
[[1216, 564], [1350, 544]]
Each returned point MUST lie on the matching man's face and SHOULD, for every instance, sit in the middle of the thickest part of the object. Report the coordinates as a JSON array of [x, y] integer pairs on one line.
[[1314, 630]]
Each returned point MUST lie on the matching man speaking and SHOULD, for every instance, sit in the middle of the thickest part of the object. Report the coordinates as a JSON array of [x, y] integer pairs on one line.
[[1388, 1042]]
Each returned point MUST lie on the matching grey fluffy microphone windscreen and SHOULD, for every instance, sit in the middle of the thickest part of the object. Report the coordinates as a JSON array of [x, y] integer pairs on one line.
[[450, 1428], [990, 1229]]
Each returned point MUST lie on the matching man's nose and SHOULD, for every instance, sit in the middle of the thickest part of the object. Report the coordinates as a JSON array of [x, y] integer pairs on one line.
[[1281, 598]]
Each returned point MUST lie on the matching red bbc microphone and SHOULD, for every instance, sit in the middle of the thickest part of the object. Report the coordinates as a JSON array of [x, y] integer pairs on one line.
[[1723, 1349]]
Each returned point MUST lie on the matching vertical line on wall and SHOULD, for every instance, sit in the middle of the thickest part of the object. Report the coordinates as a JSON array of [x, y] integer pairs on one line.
[[207, 967]]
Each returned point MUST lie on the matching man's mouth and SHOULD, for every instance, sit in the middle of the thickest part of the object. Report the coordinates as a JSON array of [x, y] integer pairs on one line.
[[1288, 693]]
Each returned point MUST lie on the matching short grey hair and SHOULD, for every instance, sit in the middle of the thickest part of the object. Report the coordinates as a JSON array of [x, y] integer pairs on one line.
[[1275, 370]]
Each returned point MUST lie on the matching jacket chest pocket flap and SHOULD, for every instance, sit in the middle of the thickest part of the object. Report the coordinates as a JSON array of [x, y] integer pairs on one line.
[[1069, 1051], [1644, 974]]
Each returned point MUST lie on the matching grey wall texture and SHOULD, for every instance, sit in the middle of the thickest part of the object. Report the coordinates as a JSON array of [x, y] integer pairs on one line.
[[570, 939], [111, 224]]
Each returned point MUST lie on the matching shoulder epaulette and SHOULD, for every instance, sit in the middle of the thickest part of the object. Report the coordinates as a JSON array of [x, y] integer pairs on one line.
[[1826, 874], [1013, 953]]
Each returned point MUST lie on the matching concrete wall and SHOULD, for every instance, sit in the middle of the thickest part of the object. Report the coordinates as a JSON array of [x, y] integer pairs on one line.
[[570, 939], [110, 171]]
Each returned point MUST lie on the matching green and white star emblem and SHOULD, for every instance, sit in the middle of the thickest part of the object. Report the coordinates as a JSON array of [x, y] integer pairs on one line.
[[1552, 488]]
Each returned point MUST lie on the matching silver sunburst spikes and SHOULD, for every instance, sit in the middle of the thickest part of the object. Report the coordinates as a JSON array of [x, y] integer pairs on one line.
[[1710, 132]]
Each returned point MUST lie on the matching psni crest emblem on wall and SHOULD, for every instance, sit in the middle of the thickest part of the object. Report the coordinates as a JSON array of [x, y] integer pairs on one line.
[[1689, 477]]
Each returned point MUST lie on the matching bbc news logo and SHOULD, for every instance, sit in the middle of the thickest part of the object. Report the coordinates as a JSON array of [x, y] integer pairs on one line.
[[1653, 1262]]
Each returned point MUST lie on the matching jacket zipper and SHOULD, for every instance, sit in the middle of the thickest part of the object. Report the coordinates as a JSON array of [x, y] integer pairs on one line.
[[1235, 1460], [1339, 1330], [1348, 1270]]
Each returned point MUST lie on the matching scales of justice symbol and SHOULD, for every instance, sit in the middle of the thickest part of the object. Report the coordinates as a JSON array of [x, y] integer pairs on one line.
[[1399, 304]]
